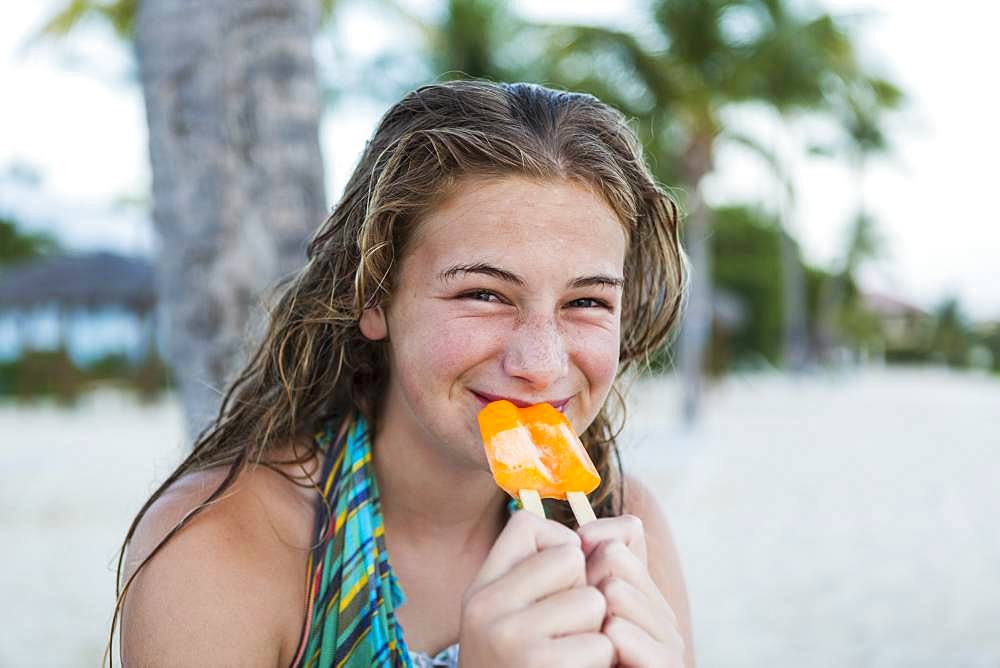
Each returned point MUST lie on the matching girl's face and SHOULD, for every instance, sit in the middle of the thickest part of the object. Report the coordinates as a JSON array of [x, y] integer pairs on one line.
[[509, 289]]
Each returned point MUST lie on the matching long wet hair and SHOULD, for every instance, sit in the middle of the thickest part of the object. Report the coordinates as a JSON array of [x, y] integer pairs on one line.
[[313, 364]]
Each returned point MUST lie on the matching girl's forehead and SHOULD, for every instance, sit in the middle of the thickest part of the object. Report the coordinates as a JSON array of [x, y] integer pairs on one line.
[[515, 217]]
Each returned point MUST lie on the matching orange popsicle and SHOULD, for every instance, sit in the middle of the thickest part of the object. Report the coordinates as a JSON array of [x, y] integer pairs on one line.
[[535, 448]]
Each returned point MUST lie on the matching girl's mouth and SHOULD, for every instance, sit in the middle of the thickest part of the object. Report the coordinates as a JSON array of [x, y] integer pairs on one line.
[[485, 398]]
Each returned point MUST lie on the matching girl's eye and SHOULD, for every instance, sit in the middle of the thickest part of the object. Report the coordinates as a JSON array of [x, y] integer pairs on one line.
[[588, 302], [482, 296]]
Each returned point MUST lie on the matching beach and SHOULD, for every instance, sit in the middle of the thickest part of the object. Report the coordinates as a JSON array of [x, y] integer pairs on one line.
[[834, 521], [827, 520]]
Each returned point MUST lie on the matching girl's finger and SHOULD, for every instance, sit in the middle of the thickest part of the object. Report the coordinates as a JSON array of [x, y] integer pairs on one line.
[[586, 650], [577, 610], [635, 647], [536, 577], [523, 536], [624, 600], [627, 529], [612, 558]]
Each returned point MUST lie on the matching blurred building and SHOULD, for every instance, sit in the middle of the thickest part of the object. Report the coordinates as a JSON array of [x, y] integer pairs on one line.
[[905, 327], [90, 305]]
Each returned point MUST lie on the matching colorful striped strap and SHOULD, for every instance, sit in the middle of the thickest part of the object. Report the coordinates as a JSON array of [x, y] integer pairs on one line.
[[352, 590]]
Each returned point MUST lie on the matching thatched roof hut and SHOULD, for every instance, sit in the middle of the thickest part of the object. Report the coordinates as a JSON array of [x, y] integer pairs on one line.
[[94, 280]]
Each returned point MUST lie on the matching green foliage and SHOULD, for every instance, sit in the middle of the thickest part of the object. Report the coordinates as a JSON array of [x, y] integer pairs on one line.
[[989, 338], [42, 373], [119, 14], [150, 377], [746, 263], [952, 339], [864, 242], [16, 246], [703, 56], [469, 38], [39, 374], [859, 328], [862, 114]]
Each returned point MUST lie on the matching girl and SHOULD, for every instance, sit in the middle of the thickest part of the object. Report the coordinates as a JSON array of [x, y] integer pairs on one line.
[[494, 242]]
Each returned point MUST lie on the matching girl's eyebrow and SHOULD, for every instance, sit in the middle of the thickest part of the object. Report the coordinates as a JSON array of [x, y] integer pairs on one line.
[[502, 274], [600, 280], [481, 268]]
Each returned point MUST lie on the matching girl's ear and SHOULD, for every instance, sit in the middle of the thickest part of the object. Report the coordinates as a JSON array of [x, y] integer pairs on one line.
[[373, 324]]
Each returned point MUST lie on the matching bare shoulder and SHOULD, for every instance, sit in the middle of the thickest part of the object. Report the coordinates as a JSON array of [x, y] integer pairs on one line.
[[663, 561], [228, 588]]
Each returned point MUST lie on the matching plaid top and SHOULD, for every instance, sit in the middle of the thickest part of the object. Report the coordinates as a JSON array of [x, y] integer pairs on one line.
[[352, 591]]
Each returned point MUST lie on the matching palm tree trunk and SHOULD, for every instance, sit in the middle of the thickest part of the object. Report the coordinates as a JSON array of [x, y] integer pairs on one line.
[[795, 316], [696, 325], [233, 106], [834, 288], [831, 297], [794, 312]]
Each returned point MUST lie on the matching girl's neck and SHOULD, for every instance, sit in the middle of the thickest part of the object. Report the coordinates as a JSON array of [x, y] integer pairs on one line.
[[429, 498]]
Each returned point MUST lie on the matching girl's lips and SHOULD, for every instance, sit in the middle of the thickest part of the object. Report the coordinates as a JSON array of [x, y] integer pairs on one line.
[[485, 398]]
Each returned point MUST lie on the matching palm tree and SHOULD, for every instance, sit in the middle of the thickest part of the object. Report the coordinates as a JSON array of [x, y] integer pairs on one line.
[[704, 58], [470, 39], [233, 107], [794, 63], [812, 66], [862, 118]]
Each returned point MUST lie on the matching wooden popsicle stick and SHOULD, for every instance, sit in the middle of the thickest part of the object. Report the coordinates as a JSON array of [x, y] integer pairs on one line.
[[532, 502], [581, 507]]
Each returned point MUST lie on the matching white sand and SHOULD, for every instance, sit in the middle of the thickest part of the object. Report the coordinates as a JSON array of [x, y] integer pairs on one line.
[[832, 521], [850, 521], [70, 482]]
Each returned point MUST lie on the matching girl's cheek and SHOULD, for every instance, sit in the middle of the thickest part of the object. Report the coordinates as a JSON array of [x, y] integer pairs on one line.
[[457, 345], [596, 352]]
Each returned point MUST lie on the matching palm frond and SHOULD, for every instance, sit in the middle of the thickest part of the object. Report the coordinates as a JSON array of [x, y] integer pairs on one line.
[[119, 14], [651, 69], [67, 18]]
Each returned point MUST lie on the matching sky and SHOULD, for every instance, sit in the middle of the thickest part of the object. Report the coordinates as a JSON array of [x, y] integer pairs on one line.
[[74, 116]]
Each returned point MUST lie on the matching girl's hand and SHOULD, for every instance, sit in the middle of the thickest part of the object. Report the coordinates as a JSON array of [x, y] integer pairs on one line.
[[639, 622], [531, 605]]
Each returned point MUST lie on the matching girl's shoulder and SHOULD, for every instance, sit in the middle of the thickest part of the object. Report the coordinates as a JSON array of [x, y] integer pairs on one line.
[[237, 564]]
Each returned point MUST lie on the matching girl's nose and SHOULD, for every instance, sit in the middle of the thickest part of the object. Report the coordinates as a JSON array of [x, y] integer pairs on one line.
[[536, 352]]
